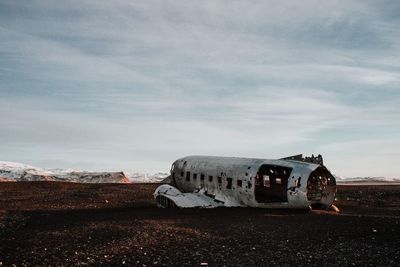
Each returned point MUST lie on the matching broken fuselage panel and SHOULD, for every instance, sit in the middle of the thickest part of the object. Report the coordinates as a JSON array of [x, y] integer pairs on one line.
[[205, 181]]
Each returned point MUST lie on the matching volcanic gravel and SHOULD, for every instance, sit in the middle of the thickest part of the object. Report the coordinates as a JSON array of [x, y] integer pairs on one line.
[[124, 233]]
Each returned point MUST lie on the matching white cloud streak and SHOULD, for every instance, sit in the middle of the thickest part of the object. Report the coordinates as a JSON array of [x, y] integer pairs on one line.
[[116, 84]]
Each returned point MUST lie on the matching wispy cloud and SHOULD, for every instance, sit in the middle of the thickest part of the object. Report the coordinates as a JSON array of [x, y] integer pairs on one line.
[[100, 84]]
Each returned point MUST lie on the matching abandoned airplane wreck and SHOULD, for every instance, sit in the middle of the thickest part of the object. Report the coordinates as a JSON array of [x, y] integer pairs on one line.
[[205, 181]]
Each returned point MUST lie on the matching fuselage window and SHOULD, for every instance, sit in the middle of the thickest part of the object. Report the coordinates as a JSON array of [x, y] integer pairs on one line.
[[187, 176], [229, 183], [266, 180], [239, 183], [194, 176], [181, 174], [257, 179], [202, 177], [210, 178], [220, 180]]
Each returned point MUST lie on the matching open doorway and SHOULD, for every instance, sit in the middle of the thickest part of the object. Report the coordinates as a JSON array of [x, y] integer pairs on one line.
[[271, 183]]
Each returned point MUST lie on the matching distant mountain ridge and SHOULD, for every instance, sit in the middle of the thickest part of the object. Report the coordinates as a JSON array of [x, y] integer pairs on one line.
[[13, 171], [368, 179]]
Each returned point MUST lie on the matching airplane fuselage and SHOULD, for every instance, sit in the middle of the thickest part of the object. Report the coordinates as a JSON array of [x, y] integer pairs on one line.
[[206, 181]]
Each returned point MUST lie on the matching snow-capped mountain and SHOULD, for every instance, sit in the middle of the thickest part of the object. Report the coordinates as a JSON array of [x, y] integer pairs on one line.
[[136, 177], [12, 171]]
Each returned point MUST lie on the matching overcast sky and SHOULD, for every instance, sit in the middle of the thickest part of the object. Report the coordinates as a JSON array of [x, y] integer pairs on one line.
[[133, 85]]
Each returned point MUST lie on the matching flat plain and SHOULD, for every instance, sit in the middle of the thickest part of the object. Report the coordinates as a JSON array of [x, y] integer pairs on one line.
[[56, 223]]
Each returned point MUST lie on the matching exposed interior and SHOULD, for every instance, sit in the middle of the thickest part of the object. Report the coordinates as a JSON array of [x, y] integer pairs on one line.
[[321, 188], [271, 183]]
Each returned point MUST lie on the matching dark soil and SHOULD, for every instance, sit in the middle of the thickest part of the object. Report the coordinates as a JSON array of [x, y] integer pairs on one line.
[[82, 228]]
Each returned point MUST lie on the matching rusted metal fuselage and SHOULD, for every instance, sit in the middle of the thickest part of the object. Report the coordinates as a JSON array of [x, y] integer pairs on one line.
[[205, 181]]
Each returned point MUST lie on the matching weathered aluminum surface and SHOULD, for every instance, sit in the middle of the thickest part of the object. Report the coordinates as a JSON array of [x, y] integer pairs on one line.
[[204, 192]]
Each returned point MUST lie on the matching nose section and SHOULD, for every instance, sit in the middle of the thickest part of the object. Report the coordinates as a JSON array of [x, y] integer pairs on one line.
[[321, 188]]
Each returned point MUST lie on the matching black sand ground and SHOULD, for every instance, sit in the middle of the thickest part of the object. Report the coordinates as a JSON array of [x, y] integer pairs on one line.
[[119, 225]]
